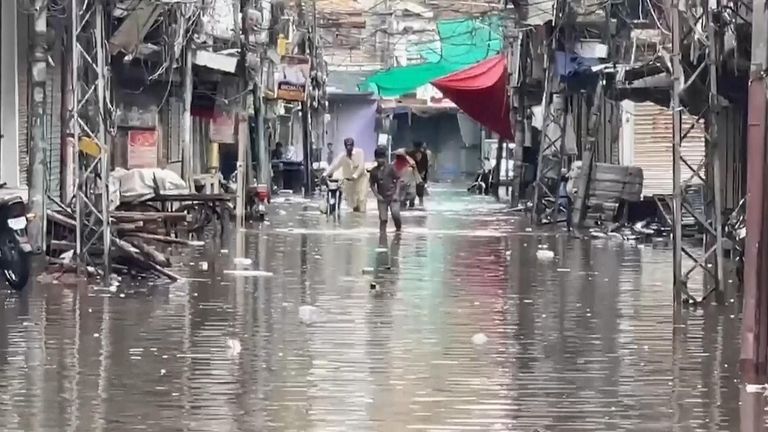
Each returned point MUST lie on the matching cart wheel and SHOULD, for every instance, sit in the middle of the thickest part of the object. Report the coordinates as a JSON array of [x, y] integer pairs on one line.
[[199, 215]]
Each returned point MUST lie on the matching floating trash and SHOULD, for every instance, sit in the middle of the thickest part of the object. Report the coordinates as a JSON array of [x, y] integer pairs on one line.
[[309, 314], [233, 347], [243, 261], [256, 273], [479, 339], [204, 265], [756, 388], [544, 254]]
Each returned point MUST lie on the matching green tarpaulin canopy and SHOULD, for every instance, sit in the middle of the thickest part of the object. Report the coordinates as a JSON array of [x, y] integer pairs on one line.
[[462, 43]]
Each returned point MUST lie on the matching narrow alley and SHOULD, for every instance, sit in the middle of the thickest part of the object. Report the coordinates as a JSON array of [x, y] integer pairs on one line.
[[453, 325]]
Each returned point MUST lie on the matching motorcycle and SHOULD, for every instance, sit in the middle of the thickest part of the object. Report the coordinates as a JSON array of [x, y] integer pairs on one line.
[[15, 249], [333, 198], [259, 206], [482, 182], [736, 231]]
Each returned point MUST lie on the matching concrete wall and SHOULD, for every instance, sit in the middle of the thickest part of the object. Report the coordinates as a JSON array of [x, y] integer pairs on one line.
[[9, 94]]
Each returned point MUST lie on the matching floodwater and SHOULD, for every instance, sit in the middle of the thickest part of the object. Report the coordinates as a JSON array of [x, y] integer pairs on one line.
[[587, 341]]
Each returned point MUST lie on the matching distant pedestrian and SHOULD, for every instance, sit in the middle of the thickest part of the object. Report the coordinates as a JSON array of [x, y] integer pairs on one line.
[[277, 153], [290, 153], [329, 155], [385, 185], [422, 167]]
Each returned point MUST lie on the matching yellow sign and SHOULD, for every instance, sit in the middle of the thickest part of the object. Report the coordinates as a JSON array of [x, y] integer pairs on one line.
[[90, 147]]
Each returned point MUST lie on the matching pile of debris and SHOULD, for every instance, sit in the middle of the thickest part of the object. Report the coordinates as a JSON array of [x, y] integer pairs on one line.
[[639, 231], [134, 247]]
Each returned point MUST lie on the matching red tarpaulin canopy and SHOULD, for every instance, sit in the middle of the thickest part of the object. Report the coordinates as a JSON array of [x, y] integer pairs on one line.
[[481, 92]]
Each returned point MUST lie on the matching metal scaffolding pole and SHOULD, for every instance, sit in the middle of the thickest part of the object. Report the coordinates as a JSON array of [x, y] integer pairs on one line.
[[551, 136], [91, 114], [709, 218], [550, 158], [516, 81]]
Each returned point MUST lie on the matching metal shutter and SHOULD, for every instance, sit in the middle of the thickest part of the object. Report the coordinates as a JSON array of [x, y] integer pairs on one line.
[[653, 147]]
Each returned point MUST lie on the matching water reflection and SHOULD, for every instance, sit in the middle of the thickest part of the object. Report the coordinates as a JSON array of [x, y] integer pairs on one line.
[[584, 342]]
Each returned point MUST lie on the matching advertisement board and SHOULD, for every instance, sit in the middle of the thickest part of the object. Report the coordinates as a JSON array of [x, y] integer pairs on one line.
[[292, 78], [142, 148]]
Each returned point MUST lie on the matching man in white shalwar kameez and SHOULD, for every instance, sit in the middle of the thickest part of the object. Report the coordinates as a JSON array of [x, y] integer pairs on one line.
[[352, 165]]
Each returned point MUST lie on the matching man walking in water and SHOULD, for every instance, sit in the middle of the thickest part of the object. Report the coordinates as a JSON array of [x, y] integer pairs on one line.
[[385, 185], [422, 166], [352, 164]]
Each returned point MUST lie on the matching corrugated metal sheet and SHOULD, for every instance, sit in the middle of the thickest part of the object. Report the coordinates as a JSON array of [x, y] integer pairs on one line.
[[52, 120], [53, 129], [23, 68], [653, 147], [733, 154]]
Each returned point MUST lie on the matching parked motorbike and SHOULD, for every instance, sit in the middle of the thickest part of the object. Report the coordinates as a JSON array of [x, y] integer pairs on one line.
[[482, 182], [259, 206], [736, 232], [15, 249]]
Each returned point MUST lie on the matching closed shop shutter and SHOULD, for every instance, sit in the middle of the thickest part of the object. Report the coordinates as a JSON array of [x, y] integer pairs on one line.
[[653, 147], [23, 103], [52, 124], [53, 131]]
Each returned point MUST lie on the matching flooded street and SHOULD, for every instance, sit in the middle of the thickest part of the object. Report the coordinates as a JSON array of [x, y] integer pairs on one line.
[[466, 329]]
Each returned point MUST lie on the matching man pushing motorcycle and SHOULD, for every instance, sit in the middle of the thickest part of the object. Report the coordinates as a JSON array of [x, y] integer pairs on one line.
[[352, 165]]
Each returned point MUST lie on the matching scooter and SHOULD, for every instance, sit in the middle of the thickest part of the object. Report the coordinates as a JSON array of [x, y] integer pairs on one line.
[[15, 249], [259, 206]]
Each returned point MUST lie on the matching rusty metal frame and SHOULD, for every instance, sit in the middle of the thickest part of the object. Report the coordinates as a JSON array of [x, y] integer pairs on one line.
[[550, 146], [91, 117], [710, 221]]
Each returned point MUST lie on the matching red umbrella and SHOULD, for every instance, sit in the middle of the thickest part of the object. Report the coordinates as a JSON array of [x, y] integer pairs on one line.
[[481, 92]]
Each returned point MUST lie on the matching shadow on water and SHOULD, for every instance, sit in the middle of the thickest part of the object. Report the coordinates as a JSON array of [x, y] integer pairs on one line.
[[588, 341]]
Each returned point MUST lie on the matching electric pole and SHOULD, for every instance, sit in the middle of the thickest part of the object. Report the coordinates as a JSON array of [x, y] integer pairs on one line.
[[242, 148], [186, 118], [36, 126], [754, 337]]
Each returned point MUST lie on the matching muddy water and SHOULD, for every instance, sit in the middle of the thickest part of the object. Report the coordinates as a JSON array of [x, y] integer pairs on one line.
[[587, 341]]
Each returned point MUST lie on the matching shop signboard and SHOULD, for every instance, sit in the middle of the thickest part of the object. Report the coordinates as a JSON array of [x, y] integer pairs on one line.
[[142, 148], [292, 78]]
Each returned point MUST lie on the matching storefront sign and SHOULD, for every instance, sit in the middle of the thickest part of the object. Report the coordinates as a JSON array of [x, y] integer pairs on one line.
[[142, 148], [228, 101], [292, 78], [223, 127]]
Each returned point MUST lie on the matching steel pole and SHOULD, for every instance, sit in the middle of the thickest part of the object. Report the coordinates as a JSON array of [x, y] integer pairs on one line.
[[37, 126], [187, 156], [103, 177], [677, 208], [713, 148], [79, 177]]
